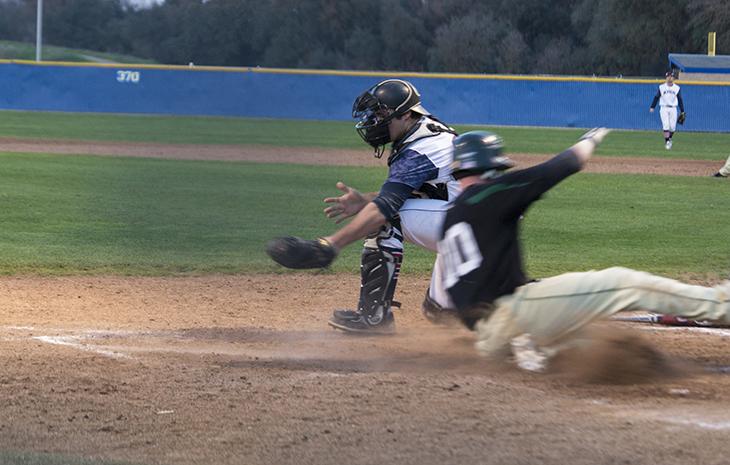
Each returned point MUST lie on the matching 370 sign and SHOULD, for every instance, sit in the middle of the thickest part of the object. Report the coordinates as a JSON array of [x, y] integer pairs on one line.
[[128, 76]]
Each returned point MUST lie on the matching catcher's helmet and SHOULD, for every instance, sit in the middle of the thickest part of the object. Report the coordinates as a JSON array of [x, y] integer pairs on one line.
[[377, 106], [478, 152]]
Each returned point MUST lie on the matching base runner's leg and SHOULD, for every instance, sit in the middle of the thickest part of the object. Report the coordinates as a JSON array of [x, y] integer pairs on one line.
[[556, 307], [725, 170]]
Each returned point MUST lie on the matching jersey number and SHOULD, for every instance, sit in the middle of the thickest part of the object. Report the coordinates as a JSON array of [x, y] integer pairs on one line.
[[460, 253]]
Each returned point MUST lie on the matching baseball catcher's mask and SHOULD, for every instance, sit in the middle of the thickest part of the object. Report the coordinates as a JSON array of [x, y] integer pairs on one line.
[[376, 107], [479, 152]]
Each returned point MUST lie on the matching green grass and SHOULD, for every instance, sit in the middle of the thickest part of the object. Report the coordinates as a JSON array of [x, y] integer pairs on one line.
[[11, 50], [289, 133], [76, 215], [32, 458]]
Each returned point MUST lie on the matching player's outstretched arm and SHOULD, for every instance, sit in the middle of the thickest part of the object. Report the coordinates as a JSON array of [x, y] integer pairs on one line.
[[368, 220], [348, 204], [587, 144]]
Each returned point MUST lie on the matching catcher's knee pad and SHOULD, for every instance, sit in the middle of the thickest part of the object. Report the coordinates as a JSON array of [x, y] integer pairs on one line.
[[437, 314], [388, 237], [379, 270]]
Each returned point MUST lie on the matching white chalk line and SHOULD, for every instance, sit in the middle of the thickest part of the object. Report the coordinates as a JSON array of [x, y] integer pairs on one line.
[[681, 418], [74, 338], [721, 332], [73, 341]]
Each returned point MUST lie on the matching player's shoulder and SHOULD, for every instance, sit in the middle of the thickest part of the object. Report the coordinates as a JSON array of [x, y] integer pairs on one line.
[[433, 143]]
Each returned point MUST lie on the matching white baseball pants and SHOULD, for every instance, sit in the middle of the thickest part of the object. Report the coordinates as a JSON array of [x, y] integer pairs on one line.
[[669, 118], [421, 221], [553, 309]]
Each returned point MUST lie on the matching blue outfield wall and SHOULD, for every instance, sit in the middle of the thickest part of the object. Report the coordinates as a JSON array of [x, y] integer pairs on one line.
[[322, 95]]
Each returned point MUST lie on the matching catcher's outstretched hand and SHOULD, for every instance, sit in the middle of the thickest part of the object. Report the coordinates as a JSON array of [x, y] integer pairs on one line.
[[346, 205], [293, 252]]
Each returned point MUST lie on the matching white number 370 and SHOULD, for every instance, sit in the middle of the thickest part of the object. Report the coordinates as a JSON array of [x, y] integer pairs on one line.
[[128, 76]]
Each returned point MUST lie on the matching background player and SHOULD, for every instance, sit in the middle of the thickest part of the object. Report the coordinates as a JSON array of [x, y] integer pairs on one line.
[[669, 97], [419, 162], [480, 244]]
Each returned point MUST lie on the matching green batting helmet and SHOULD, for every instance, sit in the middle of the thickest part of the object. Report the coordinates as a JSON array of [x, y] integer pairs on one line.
[[478, 152]]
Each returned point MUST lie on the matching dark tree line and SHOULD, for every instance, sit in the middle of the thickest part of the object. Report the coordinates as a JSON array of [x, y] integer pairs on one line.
[[604, 37]]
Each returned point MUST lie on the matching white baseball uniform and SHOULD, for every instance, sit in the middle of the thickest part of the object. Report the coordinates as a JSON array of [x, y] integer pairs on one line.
[[421, 219], [669, 99]]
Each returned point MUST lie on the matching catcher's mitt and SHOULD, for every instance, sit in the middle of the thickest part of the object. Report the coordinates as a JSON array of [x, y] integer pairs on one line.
[[293, 252], [682, 117]]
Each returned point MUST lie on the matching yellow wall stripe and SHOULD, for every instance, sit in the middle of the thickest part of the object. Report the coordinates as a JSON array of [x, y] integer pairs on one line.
[[320, 72]]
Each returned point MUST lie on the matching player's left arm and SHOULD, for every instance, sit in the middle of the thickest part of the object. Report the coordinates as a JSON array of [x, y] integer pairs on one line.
[[530, 184]]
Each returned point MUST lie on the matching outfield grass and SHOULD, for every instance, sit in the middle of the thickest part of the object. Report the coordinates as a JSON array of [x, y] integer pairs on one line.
[[32, 458], [76, 215], [245, 131]]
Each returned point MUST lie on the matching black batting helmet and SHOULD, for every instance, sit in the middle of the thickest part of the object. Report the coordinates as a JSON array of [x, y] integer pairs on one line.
[[478, 152], [378, 105]]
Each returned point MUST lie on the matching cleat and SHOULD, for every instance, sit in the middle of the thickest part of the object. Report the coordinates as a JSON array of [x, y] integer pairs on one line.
[[668, 145], [345, 315], [527, 355], [339, 315], [717, 175], [437, 314], [354, 322]]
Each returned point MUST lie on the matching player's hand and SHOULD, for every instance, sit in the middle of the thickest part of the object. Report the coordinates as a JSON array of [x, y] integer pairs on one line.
[[651, 110], [346, 205]]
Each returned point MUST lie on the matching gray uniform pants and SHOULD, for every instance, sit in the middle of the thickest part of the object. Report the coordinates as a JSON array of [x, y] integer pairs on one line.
[[552, 309]]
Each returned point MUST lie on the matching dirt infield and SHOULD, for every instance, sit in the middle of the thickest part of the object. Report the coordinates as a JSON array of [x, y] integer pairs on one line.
[[232, 370], [320, 156]]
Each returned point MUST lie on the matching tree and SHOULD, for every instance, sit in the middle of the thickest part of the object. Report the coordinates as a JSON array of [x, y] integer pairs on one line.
[[466, 45], [709, 16]]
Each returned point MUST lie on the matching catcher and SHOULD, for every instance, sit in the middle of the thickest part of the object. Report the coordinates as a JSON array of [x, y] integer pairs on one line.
[[410, 206], [480, 244]]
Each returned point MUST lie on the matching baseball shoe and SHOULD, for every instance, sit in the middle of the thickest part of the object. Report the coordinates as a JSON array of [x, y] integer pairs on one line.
[[718, 175], [340, 315], [668, 145], [527, 355], [437, 314], [355, 322]]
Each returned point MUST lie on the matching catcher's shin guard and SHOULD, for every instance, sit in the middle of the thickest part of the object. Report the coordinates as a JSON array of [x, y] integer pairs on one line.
[[379, 270]]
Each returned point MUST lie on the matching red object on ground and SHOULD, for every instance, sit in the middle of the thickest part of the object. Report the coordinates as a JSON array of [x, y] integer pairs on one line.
[[671, 320]]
